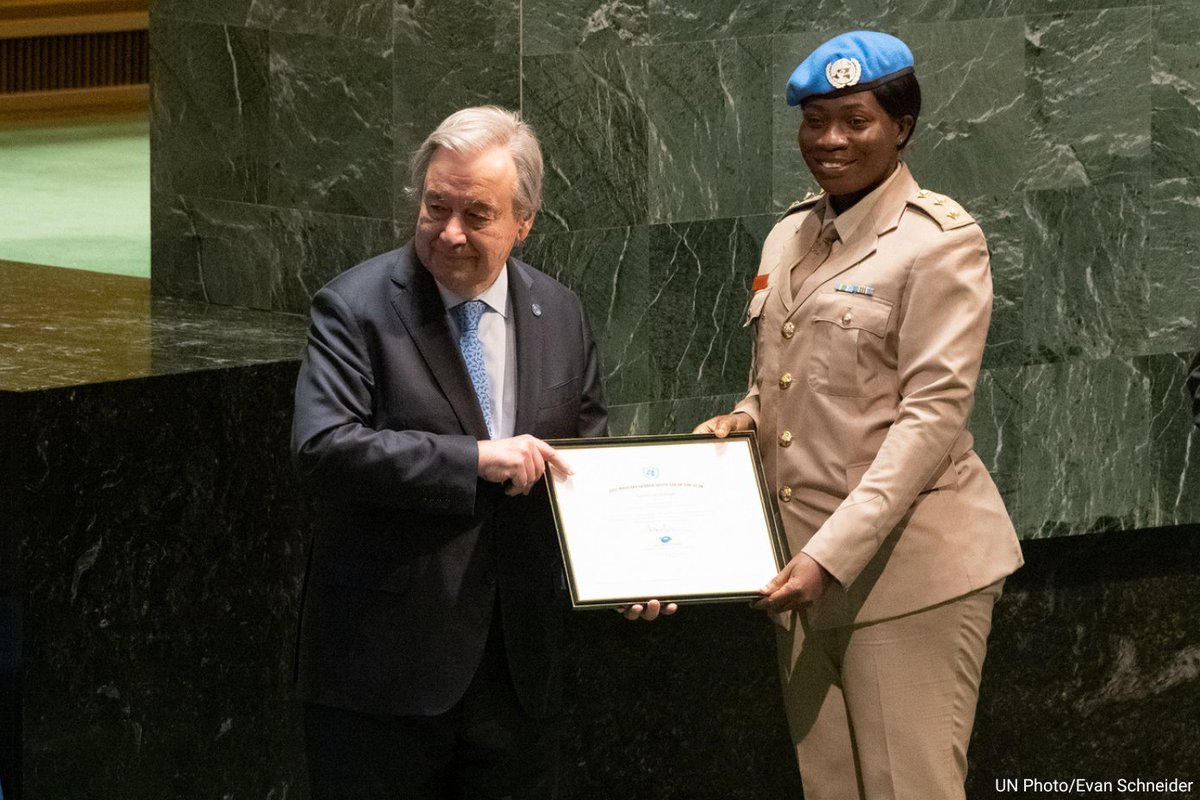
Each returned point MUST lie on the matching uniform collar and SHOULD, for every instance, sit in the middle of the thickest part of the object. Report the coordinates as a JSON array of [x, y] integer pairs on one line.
[[847, 223]]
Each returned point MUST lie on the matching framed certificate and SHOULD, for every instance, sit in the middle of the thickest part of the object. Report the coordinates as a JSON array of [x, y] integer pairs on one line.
[[683, 518]]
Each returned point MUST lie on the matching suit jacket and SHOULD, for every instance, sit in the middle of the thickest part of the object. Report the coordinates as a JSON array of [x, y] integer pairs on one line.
[[861, 392], [411, 549]]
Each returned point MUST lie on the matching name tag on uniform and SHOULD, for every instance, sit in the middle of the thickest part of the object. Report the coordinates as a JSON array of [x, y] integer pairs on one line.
[[855, 288]]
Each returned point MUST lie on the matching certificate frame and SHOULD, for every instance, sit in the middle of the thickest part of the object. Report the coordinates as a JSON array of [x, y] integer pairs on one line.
[[720, 579]]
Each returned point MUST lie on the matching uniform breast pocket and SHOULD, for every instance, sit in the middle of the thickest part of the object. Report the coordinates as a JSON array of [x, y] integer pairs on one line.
[[754, 309], [847, 345]]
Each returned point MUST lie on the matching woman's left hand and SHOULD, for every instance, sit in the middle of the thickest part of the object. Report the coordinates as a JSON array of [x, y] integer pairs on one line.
[[801, 583]]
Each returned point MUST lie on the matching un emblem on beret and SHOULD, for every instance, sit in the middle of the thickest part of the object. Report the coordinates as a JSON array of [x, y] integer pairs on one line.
[[843, 72]]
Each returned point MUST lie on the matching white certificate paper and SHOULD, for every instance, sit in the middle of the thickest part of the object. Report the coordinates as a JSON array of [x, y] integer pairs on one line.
[[681, 518]]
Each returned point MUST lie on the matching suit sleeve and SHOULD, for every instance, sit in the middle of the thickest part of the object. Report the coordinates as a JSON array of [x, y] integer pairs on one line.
[[944, 315], [593, 414], [339, 454]]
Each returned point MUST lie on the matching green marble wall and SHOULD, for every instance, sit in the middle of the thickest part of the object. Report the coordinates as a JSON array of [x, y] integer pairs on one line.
[[1068, 127]]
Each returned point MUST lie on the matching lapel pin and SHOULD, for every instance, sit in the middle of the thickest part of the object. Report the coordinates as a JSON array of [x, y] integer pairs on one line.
[[537, 310]]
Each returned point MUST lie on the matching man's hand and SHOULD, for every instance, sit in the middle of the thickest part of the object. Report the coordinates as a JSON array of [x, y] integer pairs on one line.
[[647, 611], [801, 583], [723, 425], [519, 461]]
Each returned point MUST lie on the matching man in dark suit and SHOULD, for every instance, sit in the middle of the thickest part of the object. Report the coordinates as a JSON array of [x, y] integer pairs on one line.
[[429, 643]]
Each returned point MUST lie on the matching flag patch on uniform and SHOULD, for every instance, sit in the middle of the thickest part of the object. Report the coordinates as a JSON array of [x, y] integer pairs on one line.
[[760, 283]]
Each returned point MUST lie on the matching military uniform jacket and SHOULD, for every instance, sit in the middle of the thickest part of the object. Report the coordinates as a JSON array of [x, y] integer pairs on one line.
[[861, 391]]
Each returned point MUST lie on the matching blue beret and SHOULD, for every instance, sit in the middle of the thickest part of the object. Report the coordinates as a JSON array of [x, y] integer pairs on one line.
[[851, 62]]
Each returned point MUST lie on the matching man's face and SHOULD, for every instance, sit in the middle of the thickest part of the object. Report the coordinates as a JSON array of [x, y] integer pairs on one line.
[[467, 225]]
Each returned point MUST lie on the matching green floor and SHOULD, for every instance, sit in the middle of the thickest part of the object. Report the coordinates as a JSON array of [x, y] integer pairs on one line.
[[77, 195]]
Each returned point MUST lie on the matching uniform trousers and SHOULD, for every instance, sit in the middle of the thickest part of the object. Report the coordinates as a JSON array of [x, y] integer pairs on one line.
[[884, 710], [484, 748]]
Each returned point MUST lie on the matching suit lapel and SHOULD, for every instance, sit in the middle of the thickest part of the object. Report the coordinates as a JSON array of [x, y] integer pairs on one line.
[[416, 300], [884, 217], [529, 337]]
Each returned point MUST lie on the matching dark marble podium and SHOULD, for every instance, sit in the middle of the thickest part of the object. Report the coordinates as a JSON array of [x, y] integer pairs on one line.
[[151, 558], [152, 541]]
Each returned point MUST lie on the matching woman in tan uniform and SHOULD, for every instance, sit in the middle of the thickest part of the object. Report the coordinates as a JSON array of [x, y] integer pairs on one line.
[[871, 306]]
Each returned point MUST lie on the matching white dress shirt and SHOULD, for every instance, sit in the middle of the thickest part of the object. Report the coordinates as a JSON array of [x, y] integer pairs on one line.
[[497, 334]]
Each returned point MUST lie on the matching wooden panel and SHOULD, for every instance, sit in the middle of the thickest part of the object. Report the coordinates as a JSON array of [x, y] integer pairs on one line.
[[25, 18], [109, 99]]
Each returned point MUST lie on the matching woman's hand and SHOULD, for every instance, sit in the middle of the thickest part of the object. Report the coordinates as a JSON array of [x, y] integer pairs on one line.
[[725, 424], [801, 583], [647, 611]]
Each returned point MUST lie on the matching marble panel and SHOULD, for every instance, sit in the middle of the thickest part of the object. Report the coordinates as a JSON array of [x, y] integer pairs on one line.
[[174, 250], [1086, 276], [1174, 442], [681, 21], [685, 708], [1003, 221], [210, 136], [589, 110], [681, 415], [832, 17], [1085, 453], [1173, 266], [996, 425], [710, 129], [483, 25], [702, 271], [1088, 97], [1092, 666], [68, 327], [563, 26], [331, 125], [369, 20], [162, 542], [970, 138], [628, 419], [1175, 91], [273, 258], [609, 270], [668, 416], [1068, 6], [429, 86], [218, 12]]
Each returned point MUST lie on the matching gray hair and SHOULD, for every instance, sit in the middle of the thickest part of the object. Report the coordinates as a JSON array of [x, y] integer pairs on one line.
[[473, 130]]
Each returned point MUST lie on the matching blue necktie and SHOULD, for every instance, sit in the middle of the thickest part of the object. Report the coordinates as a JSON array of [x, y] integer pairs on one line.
[[468, 315]]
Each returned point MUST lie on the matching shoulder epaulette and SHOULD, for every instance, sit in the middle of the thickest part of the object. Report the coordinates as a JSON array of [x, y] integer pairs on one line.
[[810, 200], [941, 209]]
